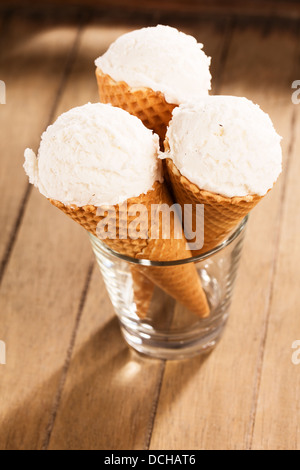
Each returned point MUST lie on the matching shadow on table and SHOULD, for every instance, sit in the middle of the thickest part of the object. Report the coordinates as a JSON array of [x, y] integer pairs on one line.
[[110, 397], [109, 400]]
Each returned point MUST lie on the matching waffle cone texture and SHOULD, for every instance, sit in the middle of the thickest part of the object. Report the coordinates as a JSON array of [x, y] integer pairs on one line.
[[181, 282], [221, 214], [143, 290], [148, 105]]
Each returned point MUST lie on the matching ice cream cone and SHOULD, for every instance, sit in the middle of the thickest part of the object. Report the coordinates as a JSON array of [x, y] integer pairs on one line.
[[149, 106], [221, 214], [181, 282], [221, 152], [143, 290]]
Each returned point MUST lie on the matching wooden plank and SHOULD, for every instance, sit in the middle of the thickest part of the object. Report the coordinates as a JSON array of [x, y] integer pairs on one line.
[[278, 412], [40, 293], [110, 395], [267, 8], [42, 289], [33, 73], [107, 402], [209, 403]]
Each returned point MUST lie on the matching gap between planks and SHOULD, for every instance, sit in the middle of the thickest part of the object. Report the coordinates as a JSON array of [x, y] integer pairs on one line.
[[275, 263], [25, 199], [260, 356], [230, 26], [22, 208], [68, 358], [52, 113], [293, 126]]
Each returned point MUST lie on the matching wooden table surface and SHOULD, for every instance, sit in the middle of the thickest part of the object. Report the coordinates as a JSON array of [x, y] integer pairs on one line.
[[70, 381]]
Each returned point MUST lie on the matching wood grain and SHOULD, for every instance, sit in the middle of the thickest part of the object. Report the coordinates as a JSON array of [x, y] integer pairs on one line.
[[40, 293], [211, 402], [285, 8], [278, 410], [107, 402], [33, 71]]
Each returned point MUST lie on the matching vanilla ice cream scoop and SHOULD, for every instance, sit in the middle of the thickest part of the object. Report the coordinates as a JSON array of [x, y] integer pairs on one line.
[[226, 145], [160, 58], [95, 155]]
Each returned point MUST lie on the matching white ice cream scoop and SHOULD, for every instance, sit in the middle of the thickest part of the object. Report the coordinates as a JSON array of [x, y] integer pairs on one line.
[[95, 155], [160, 58], [226, 145]]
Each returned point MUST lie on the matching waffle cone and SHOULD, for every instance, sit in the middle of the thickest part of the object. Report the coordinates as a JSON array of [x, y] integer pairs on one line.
[[221, 214], [143, 290], [149, 106], [181, 282]]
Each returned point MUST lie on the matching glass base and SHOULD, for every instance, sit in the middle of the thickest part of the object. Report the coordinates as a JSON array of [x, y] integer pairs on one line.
[[152, 321], [171, 347]]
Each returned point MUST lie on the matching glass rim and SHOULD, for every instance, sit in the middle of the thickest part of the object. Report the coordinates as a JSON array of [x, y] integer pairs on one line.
[[193, 259]]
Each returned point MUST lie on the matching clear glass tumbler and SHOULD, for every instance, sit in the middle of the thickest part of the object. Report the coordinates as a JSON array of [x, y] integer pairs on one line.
[[170, 331]]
